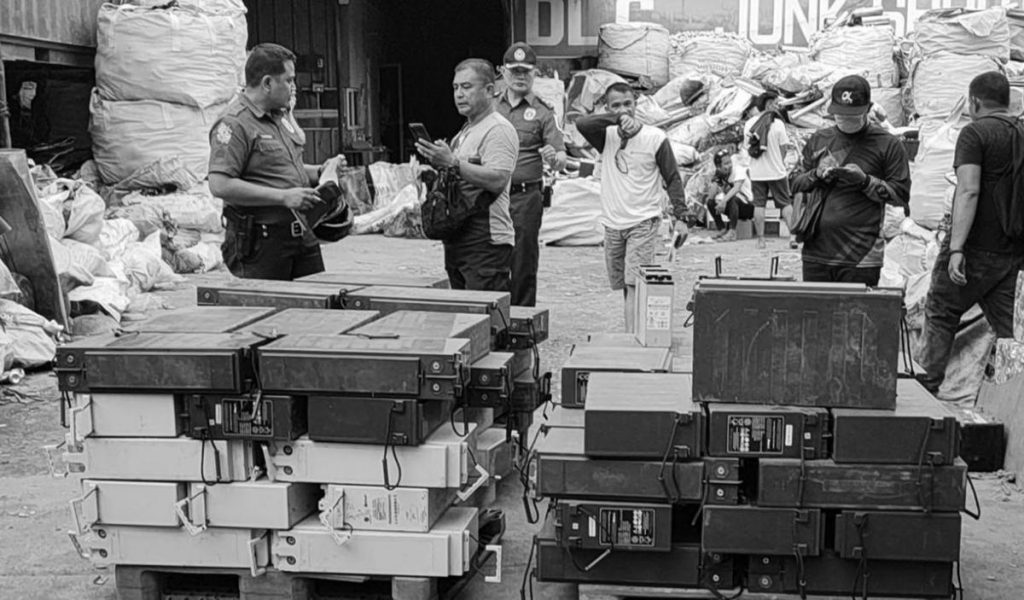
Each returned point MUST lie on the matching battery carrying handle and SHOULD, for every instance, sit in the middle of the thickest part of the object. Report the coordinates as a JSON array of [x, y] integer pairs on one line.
[[76, 508], [328, 515], [186, 521], [496, 549], [73, 418], [254, 559], [483, 478], [51, 463]]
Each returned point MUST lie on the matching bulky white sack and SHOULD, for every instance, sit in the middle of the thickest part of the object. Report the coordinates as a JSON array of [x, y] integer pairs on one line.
[[648, 111], [961, 31], [907, 255], [115, 237], [891, 101], [868, 48], [110, 293], [685, 155], [72, 209], [30, 340], [727, 108], [586, 90], [572, 219], [196, 208], [127, 136], [144, 266], [690, 131], [724, 54], [668, 96], [200, 258], [71, 273], [941, 79], [634, 49], [183, 54], [928, 184], [1015, 19], [552, 91]]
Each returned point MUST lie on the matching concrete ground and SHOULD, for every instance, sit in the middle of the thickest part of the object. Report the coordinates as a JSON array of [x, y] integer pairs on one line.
[[38, 562]]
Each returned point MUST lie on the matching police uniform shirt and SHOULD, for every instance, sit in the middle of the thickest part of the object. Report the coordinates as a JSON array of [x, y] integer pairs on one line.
[[264, 148], [534, 120]]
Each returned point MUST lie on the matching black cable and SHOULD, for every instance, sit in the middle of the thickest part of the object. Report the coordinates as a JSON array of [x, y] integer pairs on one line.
[[388, 442], [203, 438], [922, 452], [465, 421], [958, 591], [974, 515], [863, 574], [527, 575], [801, 574], [669, 446]]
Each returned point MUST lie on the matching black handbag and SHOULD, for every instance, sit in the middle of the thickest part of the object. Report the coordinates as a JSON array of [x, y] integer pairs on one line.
[[450, 204], [807, 209]]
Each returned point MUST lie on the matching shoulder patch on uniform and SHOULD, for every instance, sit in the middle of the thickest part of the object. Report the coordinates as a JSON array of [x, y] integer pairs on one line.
[[223, 133]]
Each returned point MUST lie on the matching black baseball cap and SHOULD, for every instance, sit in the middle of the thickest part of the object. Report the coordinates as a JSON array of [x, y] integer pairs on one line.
[[851, 95], [520, 56]]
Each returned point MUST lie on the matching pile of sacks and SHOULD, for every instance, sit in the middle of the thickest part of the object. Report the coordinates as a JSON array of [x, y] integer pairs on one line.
[[102, 262], [392, 207], [164, 74]]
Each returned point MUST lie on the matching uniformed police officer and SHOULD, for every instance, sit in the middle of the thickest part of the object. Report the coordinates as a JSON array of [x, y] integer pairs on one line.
[[256, 167], [540, 141]]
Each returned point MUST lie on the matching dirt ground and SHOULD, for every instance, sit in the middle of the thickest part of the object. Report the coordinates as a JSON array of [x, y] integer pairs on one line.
[[38, 562]]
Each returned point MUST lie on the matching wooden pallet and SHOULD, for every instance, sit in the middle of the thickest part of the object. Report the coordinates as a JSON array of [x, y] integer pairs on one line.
[[194, 583]]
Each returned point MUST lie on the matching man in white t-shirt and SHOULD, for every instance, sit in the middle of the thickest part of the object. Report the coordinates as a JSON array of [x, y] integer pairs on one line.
[[479, 257], [729, 193], [637, 167], [768, 144]]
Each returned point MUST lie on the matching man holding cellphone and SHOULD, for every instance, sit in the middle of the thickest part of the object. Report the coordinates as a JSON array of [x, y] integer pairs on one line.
[[256, 167], [540, 143], [858, 167], [484, 154]]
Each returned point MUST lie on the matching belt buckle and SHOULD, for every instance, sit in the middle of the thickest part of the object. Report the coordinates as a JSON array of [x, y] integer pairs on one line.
[[296, 229]]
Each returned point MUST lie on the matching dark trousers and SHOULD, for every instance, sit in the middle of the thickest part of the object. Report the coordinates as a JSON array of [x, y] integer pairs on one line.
[[527, 214], [271, 258], [482, 267], [991, 282], [735, 209], [837, 274]]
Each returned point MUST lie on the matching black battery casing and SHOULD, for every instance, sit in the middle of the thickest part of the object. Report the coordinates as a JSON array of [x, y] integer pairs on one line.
[[400, 422], [270, 418]]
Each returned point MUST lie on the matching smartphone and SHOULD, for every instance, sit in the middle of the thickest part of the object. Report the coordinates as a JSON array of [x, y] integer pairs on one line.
[[420, 132]]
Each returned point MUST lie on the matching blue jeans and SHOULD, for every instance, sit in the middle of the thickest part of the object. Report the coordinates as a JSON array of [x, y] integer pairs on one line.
[[991, 281]]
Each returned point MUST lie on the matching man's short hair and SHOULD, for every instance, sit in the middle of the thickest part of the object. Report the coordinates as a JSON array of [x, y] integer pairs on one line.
[[992, 88], [266, 59], [620, 88], [761, 102], [483, 68]]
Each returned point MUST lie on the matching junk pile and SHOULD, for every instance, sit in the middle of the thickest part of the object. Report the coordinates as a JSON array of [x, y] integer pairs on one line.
[[233, 440], [384, 197]]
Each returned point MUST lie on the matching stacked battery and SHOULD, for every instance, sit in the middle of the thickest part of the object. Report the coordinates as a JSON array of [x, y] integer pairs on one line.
[[628, 478], [306, 439], [793, 462]]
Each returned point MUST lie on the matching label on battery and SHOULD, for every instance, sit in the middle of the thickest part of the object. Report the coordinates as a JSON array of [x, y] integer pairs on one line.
[[758, 434], [621, 527], [659, 312]]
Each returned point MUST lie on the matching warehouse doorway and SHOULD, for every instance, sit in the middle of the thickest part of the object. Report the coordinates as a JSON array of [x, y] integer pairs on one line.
[[427, 39]]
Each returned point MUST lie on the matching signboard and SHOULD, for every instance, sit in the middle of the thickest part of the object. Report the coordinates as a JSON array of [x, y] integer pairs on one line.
[[569, 28]]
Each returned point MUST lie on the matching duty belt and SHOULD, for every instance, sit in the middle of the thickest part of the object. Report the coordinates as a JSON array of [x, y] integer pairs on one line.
[[526, 186], [278, 230]]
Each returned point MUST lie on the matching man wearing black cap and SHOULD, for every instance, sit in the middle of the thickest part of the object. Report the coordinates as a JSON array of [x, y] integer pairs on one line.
[[540, 142], [858, 168]]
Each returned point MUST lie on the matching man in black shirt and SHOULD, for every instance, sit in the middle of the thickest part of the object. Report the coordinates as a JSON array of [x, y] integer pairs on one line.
[[858, 168], [978, 262]]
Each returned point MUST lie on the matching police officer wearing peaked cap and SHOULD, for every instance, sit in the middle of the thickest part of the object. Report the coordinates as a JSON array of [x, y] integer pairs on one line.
[[256, 167], [540, 142]]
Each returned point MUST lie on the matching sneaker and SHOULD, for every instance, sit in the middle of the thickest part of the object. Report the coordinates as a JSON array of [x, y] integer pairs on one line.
[[730, 236], [761, 244], [720, 234]]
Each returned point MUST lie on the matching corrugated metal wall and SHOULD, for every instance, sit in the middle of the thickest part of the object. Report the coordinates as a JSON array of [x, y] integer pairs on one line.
[[70, 22]]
